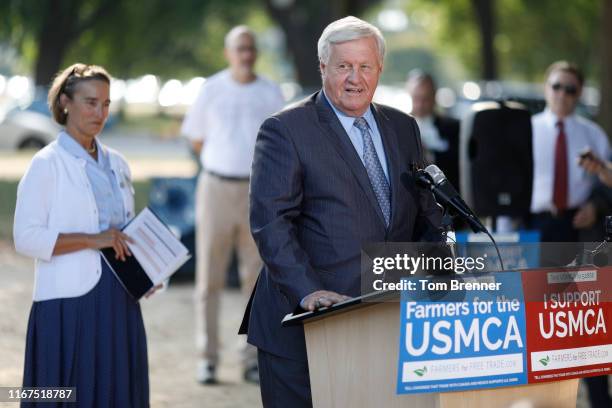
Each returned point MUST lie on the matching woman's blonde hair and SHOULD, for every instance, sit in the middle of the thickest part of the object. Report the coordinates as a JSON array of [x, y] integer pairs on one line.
[[66, 82]]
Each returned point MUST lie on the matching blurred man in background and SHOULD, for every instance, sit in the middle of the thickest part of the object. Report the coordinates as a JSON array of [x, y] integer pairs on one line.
[[564, 204], [560, 205], [439, 134], [222, 125]]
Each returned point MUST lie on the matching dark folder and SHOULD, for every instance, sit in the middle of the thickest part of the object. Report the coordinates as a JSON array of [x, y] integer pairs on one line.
[[129, 273]]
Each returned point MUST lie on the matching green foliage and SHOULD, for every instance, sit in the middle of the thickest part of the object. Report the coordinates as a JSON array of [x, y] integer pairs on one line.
[[541, 32], [530, 34], [147, 36], [132, 37], [8, 195]]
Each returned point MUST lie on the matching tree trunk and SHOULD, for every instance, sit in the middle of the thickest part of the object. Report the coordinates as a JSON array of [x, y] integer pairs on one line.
[[485, 18], [63, 23], [51, 51], [54, 38], [605, 47]]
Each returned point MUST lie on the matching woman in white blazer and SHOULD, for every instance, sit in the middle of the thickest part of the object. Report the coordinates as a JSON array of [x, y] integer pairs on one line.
[[84, 330]]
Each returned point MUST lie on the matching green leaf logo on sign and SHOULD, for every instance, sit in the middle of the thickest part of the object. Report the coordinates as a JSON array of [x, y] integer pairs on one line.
[[421, 371]]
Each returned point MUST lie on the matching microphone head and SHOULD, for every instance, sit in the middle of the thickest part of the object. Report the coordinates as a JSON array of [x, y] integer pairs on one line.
[[423, 179], [435, 173]]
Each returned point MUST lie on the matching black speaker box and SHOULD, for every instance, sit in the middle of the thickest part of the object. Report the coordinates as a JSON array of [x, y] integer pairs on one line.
[[497, 155]]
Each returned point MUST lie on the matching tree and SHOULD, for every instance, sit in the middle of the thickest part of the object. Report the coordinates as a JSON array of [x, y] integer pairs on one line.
[[129, 37], [485, 17], [605, 107], [302, 22], [62, 23], [52, 26], [524, 36]]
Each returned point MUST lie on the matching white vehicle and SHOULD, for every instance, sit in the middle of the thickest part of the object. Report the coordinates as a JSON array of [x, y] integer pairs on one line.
[[27, 129]]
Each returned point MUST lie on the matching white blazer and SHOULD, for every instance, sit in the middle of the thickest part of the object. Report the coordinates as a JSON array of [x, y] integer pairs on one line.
[[55, 196]]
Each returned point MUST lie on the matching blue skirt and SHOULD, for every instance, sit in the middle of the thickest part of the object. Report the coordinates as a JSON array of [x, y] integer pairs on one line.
[[95, 342]]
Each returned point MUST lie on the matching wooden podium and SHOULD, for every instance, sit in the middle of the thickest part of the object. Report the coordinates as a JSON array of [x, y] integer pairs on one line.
[[353, 361]]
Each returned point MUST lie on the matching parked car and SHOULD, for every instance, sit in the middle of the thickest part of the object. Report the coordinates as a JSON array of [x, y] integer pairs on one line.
[[28, 128], [33, 127]]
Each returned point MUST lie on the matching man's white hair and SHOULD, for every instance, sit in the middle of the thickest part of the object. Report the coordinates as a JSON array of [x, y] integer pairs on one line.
[[236, 32], [348, 29]]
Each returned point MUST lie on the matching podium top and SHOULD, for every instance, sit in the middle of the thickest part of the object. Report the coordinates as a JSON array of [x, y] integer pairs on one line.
[[294, 319]]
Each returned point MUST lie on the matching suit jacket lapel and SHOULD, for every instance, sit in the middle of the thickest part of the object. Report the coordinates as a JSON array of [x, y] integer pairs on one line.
[[391, 145], [341, 142]]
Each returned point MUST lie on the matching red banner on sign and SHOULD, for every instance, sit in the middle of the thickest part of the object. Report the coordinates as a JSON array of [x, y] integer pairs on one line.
[[568, 322]]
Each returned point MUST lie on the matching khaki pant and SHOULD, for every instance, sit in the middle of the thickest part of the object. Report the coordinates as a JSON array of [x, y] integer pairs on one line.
[[222, 224]]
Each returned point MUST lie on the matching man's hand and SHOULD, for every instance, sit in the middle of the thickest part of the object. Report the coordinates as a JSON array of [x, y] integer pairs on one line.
[[321, 298], [594, 165], [197, 145], [586, 216]]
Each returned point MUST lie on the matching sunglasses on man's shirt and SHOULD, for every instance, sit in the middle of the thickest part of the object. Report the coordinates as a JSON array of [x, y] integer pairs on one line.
[[571, 90]]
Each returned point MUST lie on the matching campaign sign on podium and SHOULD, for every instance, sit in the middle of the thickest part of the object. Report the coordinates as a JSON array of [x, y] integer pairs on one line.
[[569, 327], [535, 326], [458, 340]]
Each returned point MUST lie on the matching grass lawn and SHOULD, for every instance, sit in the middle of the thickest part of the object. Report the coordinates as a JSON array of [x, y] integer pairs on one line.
[[8, 193], [162, 125]]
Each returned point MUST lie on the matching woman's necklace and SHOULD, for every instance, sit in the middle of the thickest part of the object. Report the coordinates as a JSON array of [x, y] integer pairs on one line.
[[93, 149]]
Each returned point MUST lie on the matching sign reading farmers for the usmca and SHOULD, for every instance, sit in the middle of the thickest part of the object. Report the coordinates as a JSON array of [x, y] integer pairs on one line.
[[568, 332], [462, 340]]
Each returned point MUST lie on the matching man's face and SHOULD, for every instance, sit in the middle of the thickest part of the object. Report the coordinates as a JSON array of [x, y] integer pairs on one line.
[[562, 93], [423, 98], [351, 75], [241, 54]]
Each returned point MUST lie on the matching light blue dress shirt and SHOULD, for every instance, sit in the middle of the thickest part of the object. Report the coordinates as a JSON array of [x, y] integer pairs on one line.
[[355, 136], [102, 180]]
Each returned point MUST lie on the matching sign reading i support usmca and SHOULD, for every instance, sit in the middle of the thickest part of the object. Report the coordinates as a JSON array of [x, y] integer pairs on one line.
[[570, 321], [475, 340]]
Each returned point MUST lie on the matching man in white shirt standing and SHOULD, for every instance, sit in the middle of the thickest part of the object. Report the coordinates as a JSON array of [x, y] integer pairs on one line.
[[439, 134], [222, 125], [560, 203]]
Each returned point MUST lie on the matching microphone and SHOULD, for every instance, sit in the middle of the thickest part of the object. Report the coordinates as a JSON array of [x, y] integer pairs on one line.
[[434, 179]]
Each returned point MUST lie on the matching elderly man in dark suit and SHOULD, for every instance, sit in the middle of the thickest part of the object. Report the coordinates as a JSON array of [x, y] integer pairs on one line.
[[329, 174]]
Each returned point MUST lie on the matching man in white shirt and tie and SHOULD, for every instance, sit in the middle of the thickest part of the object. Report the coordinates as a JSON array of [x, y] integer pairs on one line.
[[222, 125], [560, 204]]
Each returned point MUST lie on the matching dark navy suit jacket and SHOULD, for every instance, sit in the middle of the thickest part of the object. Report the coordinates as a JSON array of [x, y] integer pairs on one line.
[[448, 161], [312, 207]]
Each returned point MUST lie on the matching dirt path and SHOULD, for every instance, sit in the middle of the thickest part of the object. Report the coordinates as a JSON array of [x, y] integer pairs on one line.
[[168, 321]]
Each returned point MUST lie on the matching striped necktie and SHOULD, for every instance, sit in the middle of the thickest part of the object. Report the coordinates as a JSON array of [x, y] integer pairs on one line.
[[379, 182]]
